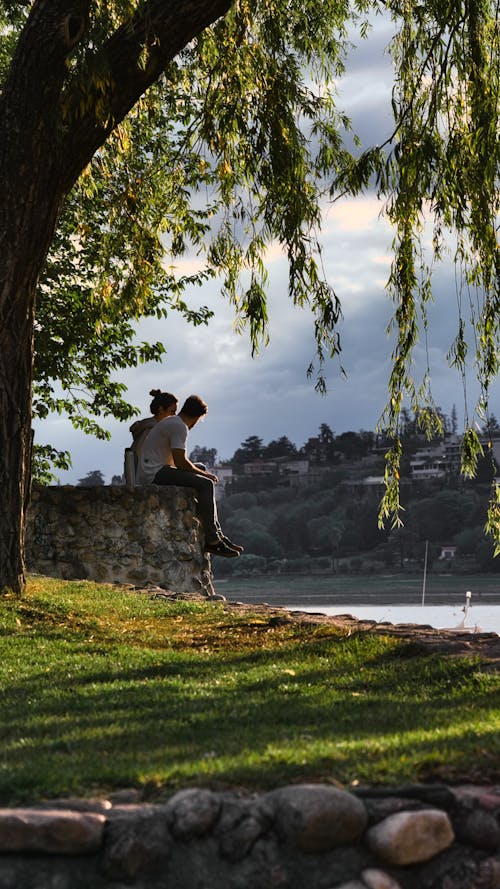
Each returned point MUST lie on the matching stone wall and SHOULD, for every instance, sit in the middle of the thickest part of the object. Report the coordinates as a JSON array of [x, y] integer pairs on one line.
[[298, 837], [118, 534]]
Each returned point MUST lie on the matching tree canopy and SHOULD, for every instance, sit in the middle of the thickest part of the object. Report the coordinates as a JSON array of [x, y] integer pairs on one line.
[[133, 130]]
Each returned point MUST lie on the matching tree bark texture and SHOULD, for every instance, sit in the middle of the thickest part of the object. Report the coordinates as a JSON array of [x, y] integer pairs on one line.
[[45, 143]]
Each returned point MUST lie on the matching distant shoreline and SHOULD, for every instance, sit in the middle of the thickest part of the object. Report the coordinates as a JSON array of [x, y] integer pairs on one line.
[[340, 590]]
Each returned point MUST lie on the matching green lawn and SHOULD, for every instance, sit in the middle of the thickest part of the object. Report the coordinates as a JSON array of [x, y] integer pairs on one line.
[[103, 688]]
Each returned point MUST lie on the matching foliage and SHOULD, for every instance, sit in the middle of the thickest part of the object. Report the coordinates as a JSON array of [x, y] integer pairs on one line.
[[326, 520], [439, 174], [289, 522], [93, 479], [251, 449], [155, 685], [217, 158], [321, 448], [105, 271], [281, 447], [45, 459], [354, 444], [208, 456], [230, 152]]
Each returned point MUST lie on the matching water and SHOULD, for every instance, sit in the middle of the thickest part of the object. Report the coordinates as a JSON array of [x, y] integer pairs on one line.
[[395, 598], [486, 617]]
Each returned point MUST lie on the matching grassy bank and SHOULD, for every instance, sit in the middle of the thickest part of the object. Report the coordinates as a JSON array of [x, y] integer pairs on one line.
[[102, 688]]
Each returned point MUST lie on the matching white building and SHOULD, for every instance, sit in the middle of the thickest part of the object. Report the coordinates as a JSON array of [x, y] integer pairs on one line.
[[225, 476]]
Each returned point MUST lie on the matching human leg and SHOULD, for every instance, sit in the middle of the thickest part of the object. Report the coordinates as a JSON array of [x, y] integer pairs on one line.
[[226, 540], [205, 495]]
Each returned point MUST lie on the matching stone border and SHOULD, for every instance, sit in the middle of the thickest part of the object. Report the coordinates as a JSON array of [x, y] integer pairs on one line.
[[316, 836]]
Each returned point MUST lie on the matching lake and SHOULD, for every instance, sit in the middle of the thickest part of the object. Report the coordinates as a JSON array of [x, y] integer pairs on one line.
[[393, 598], [482, 618]]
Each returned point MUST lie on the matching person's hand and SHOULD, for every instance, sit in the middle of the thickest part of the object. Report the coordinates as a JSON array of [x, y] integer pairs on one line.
[[212, 477]]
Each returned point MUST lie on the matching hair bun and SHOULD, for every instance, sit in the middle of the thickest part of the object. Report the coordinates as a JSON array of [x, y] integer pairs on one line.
[[155, 392]]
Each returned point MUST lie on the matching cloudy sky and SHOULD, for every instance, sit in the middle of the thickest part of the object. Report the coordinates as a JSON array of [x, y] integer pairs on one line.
[[269, 395]]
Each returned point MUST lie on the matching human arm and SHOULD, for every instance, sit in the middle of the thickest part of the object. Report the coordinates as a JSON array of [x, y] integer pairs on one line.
[[183, 462]]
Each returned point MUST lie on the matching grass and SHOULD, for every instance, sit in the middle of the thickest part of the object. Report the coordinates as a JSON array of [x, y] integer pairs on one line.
[[101, 688]]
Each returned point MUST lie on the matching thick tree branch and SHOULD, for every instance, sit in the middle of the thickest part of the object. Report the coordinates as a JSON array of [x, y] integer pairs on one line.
[[38, 68], [132, 59]]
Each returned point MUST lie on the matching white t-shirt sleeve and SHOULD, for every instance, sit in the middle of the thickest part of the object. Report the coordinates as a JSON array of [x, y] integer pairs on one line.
[[178, 435]]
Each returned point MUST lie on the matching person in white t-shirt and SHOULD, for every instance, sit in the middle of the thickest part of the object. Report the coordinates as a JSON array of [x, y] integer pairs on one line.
[[163, 461]]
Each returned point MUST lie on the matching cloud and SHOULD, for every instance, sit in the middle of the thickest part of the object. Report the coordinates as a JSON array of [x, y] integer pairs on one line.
[[353, 215]]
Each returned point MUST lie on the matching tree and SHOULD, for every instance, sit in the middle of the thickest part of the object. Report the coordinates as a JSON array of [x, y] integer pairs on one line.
[[492, 426], [251, 449], [69, 82], [322, 448], [208, 456], [454, 420], [93, 479], [231, 95], [280, 447], [327, 443], [354, 445], [78, 80], [446, 95]]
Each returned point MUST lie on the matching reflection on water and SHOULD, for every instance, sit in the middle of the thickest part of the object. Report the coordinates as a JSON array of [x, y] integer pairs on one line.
[[485, 617]]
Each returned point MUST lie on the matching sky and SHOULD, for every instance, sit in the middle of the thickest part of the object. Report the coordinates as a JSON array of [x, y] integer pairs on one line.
[[269, 395]]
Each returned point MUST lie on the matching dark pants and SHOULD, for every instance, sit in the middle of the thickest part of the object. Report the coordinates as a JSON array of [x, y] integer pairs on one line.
[[205, 495]]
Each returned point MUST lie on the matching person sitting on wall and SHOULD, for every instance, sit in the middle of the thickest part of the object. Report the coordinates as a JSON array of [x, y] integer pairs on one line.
[[164, 404], [163, 461]]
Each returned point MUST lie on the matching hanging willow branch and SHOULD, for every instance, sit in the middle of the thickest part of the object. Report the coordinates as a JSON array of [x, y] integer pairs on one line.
[[439, 174]]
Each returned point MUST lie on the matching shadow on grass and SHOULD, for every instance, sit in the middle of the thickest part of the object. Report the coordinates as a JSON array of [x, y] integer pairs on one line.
[[348, 708]]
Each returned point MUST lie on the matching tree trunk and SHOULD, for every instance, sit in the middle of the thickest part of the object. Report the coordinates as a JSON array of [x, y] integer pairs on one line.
[[30, 197], [45, 142], [15, 437], [24, 244]]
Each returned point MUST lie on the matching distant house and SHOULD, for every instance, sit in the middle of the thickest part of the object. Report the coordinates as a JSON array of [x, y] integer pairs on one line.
[[292, 466], [453, 453], [446, 458], [428, 463], [370, 483], [448, 552], [260, 467], [225, 476], [286, 469]]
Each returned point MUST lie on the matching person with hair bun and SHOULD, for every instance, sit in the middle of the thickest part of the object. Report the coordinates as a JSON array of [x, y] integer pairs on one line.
[[164, 404], [164, 461]]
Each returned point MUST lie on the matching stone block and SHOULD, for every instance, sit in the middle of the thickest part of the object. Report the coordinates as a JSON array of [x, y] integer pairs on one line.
[[411, 837], [138, 843], [316, 818], [52, 832], [193, 812], [480, 829]]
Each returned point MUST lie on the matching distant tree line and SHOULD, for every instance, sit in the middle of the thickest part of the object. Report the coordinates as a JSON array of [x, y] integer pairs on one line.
[[328, 448], [333, 527]]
